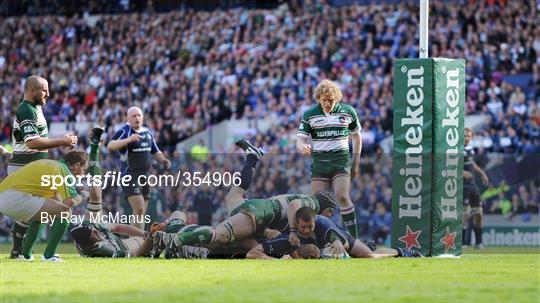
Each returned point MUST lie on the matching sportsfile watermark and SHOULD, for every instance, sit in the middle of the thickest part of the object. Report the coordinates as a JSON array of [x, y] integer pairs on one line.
[[112, 178], [110, 217]]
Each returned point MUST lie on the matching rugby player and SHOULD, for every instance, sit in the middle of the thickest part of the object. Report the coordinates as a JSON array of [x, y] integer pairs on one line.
[[134, 145], [25, 198], [30, 141], [322, 232], [472, 205], [249, 217], [279, 248], [102, 240], [330, 124]]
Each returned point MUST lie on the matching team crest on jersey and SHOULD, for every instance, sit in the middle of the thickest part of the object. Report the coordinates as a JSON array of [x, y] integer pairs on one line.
[[342, 120]]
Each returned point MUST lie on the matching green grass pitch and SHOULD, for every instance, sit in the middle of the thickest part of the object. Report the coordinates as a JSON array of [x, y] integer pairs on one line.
[[490, 277]]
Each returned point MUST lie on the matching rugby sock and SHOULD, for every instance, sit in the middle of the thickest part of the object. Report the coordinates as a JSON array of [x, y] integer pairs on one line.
[[93, 167], [349, 219], [477, 235], [200, 235], [34, 230], [94, 170], [18, 232], [246, 174], [466, 236], [56, 234]]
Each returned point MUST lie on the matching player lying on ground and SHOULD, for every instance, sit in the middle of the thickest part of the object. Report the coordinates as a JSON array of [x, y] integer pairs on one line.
[[102, 239], [251, 216], [323, 233], [25, 199], [279, 248]]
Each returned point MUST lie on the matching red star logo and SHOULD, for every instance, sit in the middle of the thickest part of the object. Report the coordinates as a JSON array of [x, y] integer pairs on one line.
[[411, 238], [448, 240]]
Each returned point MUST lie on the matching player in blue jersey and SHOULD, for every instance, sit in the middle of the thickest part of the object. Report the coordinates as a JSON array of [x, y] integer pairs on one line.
[[472, 205], [135, 147], [323, 233]]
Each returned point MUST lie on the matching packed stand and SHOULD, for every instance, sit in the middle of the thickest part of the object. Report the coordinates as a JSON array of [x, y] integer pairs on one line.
[[189, 69]]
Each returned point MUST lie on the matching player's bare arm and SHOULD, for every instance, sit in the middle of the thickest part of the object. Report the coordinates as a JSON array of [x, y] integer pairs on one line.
[[4, 152], [126, 230], [291, 212], [160, 157], [357, 151], [302, 147], [484, 176], [115, 145], [72, 202], [46, 143], [271, 233], [257, 252], [337, 247]]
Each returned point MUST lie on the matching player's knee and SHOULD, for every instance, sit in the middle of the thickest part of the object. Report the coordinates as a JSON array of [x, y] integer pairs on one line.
[[138, 210], [221, 236], [478, 220], [224, 233], [177, 214], [95, 196], [343, 198]]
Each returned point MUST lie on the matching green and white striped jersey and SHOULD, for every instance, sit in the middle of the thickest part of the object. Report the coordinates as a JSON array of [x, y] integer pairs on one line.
[[29, 123], [329, 132]]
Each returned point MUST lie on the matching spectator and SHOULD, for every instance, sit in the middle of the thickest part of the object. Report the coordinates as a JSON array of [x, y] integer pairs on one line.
[[380, 223]]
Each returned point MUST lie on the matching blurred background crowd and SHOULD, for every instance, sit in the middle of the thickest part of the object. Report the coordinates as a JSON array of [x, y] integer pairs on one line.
[[191, 66]]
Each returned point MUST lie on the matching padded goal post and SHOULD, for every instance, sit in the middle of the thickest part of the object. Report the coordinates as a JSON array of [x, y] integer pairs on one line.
[[427, 189]]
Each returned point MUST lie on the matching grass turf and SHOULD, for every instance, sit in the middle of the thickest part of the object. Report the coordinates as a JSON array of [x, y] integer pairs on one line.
[[474, 278]]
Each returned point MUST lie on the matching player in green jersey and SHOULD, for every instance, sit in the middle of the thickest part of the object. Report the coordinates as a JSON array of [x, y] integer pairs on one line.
[[330, 124], [30, 140]]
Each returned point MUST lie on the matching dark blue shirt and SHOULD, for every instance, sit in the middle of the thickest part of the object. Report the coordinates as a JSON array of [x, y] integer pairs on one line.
[[325, 233], [468, 162], [136, 157]]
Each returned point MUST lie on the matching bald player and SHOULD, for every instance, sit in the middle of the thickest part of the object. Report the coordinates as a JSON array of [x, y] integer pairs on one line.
[[134, 146], [31, 141]]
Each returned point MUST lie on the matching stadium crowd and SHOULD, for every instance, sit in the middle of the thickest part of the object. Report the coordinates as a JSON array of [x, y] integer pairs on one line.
[[190, 69]]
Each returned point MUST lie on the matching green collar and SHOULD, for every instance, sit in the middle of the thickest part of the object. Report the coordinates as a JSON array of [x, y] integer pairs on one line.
[[29, 102]]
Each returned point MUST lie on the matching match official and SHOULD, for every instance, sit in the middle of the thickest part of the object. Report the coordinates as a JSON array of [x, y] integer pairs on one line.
[[134, 145]]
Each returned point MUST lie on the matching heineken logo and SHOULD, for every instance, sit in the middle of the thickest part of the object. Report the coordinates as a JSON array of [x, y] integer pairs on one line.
[[411, 238], [410, 205], [449, 240], [450, 123]]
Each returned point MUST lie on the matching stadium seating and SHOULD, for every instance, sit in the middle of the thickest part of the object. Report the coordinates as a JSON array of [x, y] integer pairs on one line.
[[188, 74]]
